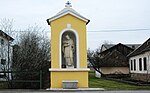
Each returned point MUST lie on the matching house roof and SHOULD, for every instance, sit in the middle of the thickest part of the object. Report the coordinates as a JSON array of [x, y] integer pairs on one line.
[[107, 46], [65, 11], [133, 46], [141, 49], [4, 35], [115, 56], [114, 59], [113, 46]]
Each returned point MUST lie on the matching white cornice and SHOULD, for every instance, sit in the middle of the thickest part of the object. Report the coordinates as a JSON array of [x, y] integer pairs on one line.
[[66, 11], [68, 70]]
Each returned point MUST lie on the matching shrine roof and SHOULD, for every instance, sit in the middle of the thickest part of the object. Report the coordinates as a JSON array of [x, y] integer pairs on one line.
[[65, 11]]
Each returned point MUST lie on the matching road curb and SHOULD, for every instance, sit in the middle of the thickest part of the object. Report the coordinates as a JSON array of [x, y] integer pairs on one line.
[[71, 90]]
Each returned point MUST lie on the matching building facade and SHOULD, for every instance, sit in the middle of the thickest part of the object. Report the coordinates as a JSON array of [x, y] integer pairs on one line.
[[5, 52], [114, 59], [139, 61], [68, 48]]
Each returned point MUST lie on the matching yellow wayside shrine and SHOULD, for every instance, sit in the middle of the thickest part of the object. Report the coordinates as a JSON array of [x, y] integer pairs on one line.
[[68, 48]]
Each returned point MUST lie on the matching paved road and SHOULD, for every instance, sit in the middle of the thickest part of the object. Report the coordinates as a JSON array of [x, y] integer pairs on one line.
[[43, 91]]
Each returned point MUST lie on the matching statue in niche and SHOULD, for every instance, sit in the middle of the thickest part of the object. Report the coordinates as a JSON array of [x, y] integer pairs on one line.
[[68, 50]]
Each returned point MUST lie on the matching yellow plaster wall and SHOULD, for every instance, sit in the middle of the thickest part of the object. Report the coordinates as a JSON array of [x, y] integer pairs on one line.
[[58, 77], [57, 26]]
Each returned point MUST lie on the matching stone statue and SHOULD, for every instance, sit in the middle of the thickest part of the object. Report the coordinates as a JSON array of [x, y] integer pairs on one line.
[[68, 50]]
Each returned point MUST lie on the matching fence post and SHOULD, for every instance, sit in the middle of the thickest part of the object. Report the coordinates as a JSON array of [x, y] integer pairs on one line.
[[40, 79]]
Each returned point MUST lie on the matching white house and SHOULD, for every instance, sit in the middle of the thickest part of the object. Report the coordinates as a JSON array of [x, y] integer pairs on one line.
[[139, 62], [5, 52]]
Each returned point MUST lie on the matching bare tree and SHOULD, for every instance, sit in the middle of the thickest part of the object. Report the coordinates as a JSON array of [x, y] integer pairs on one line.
[[32, 53], [106, 42], [6, 25], [94, 59]]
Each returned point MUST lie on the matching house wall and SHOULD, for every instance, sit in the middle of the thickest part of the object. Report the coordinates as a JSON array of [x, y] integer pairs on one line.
[[141, 77], [4, 55], [3, 51], [115, 70], [137, 70]]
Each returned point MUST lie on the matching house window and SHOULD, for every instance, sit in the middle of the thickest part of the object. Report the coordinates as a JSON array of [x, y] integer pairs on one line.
[[133, 46], [140, 64], [131, 65], [2, 41], [145, 63], [3, 61], [134, 64]]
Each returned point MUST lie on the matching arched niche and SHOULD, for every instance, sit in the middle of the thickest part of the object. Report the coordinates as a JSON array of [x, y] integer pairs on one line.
[[74, 36], [68, 46]]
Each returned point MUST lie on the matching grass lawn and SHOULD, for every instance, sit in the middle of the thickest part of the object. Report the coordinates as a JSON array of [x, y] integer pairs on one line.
[[112, 85]]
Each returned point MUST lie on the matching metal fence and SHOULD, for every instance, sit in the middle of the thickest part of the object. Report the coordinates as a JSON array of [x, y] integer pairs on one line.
[[7, 76]]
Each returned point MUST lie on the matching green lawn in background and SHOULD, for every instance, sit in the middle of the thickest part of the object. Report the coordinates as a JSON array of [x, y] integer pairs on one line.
[[112, 85]]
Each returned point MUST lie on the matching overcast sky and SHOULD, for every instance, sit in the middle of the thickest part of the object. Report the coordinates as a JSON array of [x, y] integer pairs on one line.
[[106, 16]]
